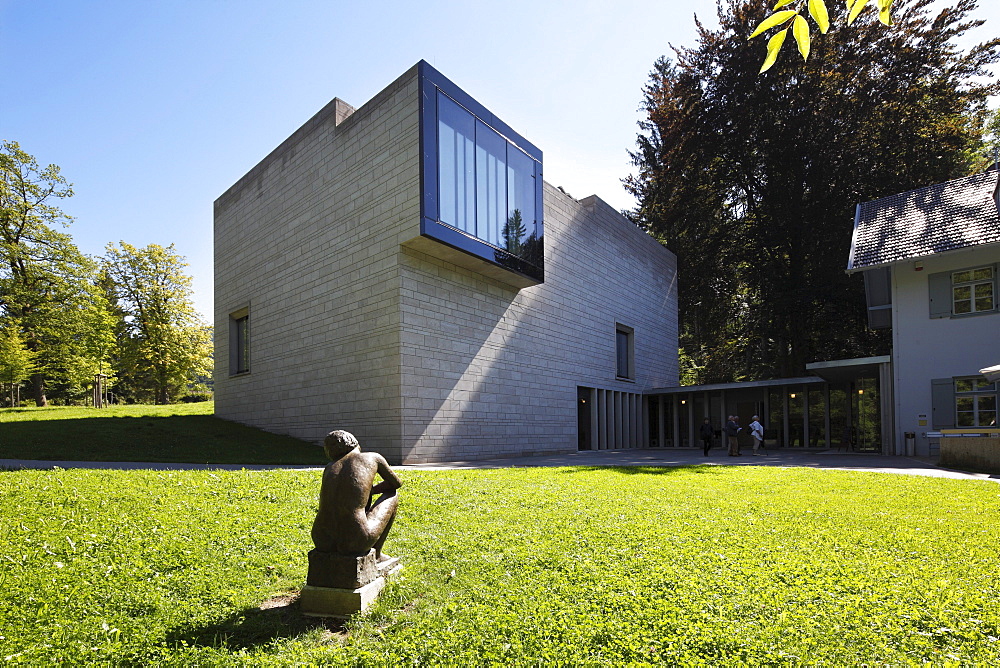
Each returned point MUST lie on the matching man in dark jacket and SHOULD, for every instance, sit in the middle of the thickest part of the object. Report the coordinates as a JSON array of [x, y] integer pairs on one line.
[[732, 429], [707, 433]]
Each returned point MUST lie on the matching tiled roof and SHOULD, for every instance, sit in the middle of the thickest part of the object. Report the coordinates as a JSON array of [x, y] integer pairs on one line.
[[936, 219]]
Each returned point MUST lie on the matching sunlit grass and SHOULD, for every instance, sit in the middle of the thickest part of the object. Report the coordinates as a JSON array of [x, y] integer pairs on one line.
[[715, 565]]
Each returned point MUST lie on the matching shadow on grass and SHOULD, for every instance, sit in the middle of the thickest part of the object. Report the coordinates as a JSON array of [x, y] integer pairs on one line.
[[202, 439], [277, 618], [701, 469]]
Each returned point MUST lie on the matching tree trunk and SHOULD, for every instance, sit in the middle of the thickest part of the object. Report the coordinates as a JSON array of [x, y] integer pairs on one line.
[[38, 389]]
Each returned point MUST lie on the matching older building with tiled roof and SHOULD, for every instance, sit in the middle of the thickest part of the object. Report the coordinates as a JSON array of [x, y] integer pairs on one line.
[[931, 259], [936, 219]]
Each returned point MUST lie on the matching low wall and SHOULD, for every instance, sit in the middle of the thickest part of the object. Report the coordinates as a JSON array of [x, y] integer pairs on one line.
[[976, 453]]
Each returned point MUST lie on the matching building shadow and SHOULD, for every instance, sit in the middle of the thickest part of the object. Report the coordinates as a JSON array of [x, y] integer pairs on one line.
[[175, 438], [701, 469]]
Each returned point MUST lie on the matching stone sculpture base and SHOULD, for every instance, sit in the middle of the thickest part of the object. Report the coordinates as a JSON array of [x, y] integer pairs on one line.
[[340, 586]]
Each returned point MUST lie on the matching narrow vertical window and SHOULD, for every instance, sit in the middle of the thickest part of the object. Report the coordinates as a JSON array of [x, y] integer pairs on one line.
[[625, 363], [239, 341], [491, 183], [456, 165]]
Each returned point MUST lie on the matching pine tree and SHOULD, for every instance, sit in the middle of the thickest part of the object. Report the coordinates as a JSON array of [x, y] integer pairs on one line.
[[752, 179]]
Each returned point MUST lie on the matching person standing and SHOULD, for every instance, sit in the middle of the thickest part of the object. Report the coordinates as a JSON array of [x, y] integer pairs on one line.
[[757, 431], [707, 433], [732, 429]]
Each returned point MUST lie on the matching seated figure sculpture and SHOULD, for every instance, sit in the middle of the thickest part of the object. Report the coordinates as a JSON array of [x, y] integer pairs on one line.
[[350, 520]]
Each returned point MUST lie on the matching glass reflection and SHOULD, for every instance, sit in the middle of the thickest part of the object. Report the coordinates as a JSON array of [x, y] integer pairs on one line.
[[487, 188], [456, 165]]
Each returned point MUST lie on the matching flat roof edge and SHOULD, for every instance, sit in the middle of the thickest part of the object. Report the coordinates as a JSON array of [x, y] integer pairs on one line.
[[745, 385]]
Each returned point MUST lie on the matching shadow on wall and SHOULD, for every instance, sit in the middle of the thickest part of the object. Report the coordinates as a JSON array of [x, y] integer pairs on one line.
[[464, 358]]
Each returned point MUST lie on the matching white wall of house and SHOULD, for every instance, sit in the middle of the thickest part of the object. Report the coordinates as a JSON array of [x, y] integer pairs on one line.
[[926, 348]]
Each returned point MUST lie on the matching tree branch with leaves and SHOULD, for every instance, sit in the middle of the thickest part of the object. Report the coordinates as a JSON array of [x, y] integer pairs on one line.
[[794, 19]]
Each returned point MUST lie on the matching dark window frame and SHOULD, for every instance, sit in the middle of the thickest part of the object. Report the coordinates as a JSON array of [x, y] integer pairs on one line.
[[941, 287], [624, 352], [530, 263], [239, 342]]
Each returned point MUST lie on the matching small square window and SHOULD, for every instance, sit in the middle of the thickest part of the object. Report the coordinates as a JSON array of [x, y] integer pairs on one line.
[[975, 403], [972, 291]]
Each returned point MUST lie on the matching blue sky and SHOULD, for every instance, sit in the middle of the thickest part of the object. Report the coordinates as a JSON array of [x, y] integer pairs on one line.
[[154, 108]]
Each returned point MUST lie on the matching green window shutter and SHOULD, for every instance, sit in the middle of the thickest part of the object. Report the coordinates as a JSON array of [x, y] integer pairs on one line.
[[943, 403], [939, 287], [996, 285]]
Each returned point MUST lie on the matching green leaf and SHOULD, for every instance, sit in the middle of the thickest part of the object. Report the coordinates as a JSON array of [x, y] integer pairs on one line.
[[773, 20], [800, 30], [855, 8], [782, 3], [819, 14], [884, 9], [773, 46]]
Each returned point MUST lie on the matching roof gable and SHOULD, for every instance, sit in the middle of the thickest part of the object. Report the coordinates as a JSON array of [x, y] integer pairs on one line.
[[943, 217]]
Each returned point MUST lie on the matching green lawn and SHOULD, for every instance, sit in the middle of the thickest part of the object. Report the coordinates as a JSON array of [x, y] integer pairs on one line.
[[175, 433], [680, 566]]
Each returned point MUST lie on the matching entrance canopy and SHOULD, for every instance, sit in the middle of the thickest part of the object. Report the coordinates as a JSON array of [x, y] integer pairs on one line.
[[750, 384], [844, 371], [846, 404]]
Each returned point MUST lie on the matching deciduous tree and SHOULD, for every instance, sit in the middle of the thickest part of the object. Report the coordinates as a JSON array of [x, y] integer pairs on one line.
[[165, 344], [17, 363], [46, 283]]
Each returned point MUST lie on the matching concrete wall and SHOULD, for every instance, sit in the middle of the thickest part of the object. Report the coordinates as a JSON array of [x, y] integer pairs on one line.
[[491, 371], [309, 240], [352, 326], [926, 348], [971, 453]]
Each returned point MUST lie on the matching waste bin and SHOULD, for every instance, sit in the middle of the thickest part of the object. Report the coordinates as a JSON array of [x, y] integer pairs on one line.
[[909, 443]]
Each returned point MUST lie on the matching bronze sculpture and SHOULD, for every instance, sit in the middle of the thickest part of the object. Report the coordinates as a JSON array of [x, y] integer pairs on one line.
[[350, 521], [347, 568]]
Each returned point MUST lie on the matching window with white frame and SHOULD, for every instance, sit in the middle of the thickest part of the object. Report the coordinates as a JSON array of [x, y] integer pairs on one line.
[[975, 402], [973, 290]]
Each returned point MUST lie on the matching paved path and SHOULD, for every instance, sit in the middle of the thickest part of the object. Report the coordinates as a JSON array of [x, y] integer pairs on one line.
[[829, 459]]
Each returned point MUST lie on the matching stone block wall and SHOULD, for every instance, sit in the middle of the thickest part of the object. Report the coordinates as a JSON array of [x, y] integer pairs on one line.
[[353, 326], [309, 240], [490, 371], [971, 453]]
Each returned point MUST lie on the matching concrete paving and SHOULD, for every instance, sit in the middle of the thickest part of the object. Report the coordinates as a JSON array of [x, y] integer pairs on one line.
[[655, 457]]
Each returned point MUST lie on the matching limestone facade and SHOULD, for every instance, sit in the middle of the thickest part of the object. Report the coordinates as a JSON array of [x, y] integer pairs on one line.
[[354, 325]]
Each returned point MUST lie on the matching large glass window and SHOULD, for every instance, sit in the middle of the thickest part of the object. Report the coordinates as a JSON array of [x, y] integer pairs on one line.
[[486, 185], [796, 409], [817, 418], [776, 415], [457, 165], [867, 415], [482, 182]]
